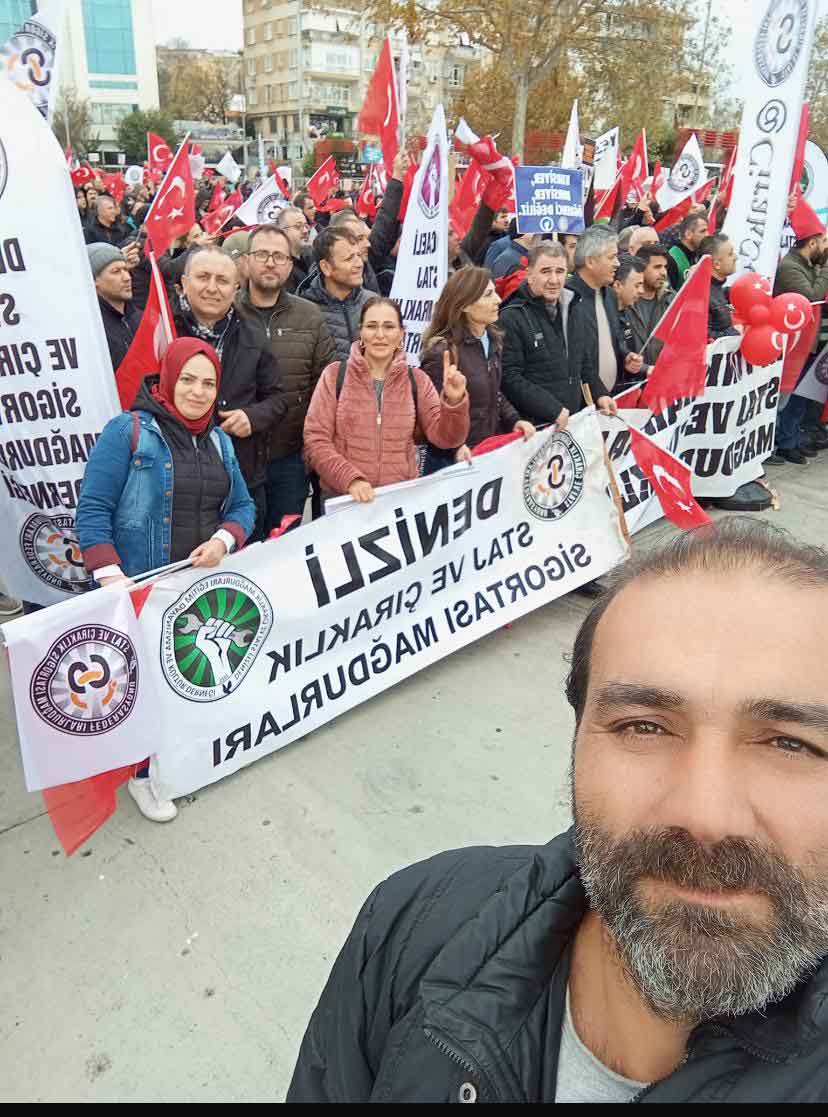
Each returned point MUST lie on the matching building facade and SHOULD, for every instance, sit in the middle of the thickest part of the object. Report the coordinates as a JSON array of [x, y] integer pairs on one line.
[[307, 66], [106, 53]]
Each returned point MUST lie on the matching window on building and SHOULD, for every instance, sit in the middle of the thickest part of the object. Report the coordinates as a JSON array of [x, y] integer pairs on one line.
[[295, 122], [268, 31], [107, 113], [252, 97], [456, 77], [274, 124], [14, 13], [268, 94], [293, 90], [293, 25], [251, 36], [268, 63], [110, 44], [293, 58]]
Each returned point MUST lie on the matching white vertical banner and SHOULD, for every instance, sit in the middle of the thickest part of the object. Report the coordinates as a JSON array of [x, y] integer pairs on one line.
[[778, 68], [606, 160], [30, 57], [573, 152], [422, 261], [262, 163], [58, 390]]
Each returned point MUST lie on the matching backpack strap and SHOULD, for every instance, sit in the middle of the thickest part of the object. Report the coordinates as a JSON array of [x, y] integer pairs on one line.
[[340, 377], [413, 382]]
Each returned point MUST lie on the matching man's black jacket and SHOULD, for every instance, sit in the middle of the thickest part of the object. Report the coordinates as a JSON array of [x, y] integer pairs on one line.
[[119, 329], [544, 359], [249, 382], [452, 986]]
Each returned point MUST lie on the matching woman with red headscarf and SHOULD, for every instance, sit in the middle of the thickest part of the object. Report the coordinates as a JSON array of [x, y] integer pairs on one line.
[[162, 485]]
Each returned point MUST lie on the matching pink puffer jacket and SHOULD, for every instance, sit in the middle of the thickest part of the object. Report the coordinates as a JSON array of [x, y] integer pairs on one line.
[[349, 439]]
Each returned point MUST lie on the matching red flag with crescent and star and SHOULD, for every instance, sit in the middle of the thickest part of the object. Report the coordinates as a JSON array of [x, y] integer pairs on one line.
[[172, 213], [380, 114], [670, 479], [160, 155], [324, 182]]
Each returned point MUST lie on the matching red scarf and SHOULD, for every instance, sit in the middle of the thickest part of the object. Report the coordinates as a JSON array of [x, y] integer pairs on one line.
[[176, 357]]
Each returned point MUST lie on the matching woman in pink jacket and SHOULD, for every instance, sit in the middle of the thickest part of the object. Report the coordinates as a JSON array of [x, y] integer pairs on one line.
[[359, 430]]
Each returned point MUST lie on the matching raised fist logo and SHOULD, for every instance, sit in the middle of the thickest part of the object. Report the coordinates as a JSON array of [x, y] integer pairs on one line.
[[214, 639]]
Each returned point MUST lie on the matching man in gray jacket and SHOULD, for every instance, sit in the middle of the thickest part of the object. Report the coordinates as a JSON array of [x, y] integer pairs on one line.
[[337, 288]]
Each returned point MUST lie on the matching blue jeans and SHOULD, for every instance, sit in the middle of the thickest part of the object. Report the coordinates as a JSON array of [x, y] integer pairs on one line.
[[287, 489], [788, 421]]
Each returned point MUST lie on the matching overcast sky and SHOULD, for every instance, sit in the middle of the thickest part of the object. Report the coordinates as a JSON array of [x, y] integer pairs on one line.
[[217, 24]]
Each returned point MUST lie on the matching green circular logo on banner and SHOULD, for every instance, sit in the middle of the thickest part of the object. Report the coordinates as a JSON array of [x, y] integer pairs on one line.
[[211, 636]]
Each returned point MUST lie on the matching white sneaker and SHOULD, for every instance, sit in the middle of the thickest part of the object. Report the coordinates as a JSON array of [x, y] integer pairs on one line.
[[156, 810], [9, 606]]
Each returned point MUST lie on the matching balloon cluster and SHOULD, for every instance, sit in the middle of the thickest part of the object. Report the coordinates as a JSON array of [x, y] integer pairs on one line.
[[773, 324]]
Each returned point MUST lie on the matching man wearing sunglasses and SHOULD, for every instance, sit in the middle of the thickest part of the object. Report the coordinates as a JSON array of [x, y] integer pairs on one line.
[[301, 342]]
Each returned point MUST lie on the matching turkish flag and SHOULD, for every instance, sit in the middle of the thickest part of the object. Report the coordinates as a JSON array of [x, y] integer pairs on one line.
[[670, 479], [680, 370], [152, 339], [172, 213], [212, 222], [673, 216], [280, 182], [366, 203], [82, 175], [799, 155], [798, 349], [467, 198], [324, 182], [217, 198], [160, 155], [114, 184], [634, 173], [380, 114], [659, 178], [234, 199]]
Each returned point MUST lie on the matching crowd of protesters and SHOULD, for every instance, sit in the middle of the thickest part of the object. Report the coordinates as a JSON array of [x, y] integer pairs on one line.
[[289, 378]]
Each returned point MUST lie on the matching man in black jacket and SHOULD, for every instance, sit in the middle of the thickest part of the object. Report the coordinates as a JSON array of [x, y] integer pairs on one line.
[[106, 227], [113, 284], [250, 404], [594, 314], [544, 358], [673, 946], [723, 258], [299, 338]]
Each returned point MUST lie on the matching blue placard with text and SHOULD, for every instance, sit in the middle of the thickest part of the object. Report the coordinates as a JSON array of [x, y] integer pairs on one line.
[[549, 200]]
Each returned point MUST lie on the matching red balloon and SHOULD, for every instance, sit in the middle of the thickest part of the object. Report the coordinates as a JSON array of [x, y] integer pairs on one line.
[[761, 345], [791, 313], [759, 315], [750, 290]]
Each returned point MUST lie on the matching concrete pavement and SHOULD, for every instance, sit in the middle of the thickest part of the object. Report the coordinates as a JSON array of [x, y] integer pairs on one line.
[[181, 962]]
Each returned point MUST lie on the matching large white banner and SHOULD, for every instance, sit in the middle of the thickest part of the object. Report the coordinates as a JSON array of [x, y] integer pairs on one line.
[[778, 67], [286, 635], [30, 57], [57, 389], [724, 436], [422, 261]]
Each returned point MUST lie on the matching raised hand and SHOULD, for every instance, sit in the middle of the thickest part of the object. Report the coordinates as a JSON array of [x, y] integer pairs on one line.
[[454, 382], [214, 639]]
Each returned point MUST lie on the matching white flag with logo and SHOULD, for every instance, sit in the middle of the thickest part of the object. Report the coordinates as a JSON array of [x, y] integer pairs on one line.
[[777, 58], [606, 159], [263, 205], [229, 168], [82, 701], [686, 175], [573, 152], [422, 260], [30, 57]]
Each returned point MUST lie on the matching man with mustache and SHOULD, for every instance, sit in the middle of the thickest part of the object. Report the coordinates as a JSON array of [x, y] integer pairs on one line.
[[673, 945]]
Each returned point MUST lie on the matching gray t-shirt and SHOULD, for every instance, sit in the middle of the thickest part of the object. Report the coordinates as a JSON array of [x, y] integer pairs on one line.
[[582, 1077]]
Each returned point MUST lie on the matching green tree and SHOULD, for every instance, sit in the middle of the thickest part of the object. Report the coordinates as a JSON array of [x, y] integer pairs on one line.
[[309, 164], [197, 88], [77, 113], [132, 133]]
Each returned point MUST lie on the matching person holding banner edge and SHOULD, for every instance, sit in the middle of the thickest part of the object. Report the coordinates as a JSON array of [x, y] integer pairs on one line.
[[360, 427], [163, 485]]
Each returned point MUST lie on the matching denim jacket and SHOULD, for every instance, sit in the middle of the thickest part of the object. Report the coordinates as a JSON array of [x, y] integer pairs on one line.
[[126, 500]]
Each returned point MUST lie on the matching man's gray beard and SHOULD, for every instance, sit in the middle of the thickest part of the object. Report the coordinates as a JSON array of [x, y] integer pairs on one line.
[[692, 961]]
